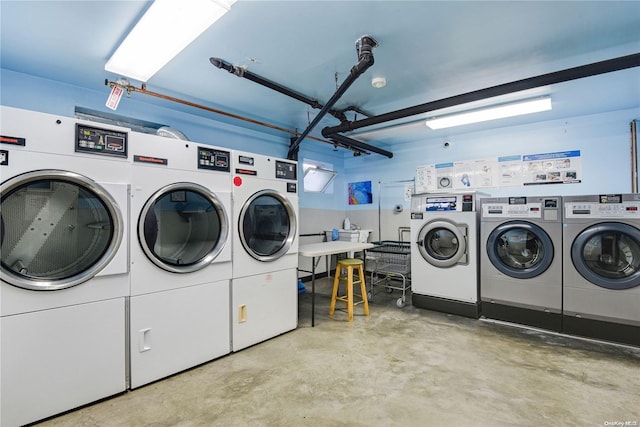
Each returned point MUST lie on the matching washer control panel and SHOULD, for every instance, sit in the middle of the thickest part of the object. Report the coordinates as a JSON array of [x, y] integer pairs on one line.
[[99, 141], [503, 210], [214, 159], [603, 210], [545, 208], [463, 202]]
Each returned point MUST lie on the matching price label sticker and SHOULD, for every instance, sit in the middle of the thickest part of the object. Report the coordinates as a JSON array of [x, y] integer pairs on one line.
[[114, 97]]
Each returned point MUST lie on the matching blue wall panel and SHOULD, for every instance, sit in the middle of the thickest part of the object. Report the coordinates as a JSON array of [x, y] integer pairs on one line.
[[603, 140], [47, 96]]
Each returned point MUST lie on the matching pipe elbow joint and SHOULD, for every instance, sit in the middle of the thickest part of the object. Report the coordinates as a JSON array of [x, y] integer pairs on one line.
[[325, 132]]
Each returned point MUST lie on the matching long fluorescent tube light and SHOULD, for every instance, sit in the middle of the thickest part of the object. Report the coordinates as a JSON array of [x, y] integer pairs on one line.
[[163, 32], [491, 113]]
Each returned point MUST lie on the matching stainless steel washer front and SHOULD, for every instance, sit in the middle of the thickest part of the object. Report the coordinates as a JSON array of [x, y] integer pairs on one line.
[[267, 225], [443, 243], [521, 260], [59, 229], [183, 227], [520, 249], [608, 255], [601, 267]]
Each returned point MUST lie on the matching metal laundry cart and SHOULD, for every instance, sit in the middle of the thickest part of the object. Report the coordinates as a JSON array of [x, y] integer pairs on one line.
[[389, 263]]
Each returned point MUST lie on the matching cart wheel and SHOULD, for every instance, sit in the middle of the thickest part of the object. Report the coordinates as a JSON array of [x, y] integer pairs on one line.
[[389, 289], [400, 303], [369, 296]]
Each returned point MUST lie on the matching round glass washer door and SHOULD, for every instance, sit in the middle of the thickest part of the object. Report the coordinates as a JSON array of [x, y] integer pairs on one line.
[[443, 244], [267, 225], [608, 255], [59, 229], [520, 249], [183, 227]]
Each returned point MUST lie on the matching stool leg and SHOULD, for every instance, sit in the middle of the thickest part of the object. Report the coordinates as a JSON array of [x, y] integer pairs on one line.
[[363, 290], [334, 293], [350, 293]]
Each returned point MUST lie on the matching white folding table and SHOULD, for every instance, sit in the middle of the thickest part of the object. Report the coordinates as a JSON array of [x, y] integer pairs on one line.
[[314, 250]]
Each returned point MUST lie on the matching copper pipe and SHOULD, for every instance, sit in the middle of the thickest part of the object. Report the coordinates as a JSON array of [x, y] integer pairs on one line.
[[143, 90]]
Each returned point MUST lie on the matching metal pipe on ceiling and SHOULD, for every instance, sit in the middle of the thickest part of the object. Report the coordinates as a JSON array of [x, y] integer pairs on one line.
[[364, 47], [244, 73], [344, 140], [144, 91], [602, 67], [270, 84]]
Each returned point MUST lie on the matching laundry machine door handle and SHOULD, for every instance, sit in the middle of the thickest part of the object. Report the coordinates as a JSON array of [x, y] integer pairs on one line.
[[144, 340]]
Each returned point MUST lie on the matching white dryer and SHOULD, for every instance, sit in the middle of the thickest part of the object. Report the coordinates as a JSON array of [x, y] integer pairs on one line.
[[264, 295], [180, 255], [444, 253], [521, 260], [65, 264], [601, 267]]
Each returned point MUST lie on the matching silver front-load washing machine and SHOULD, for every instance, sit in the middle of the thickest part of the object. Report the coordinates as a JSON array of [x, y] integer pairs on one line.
[[444, 252], [521, 260], [601, 267]]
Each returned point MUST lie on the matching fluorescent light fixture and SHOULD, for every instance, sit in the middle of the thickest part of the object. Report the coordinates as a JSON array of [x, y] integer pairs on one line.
[[491, 113], [167, 27], [317, 179]]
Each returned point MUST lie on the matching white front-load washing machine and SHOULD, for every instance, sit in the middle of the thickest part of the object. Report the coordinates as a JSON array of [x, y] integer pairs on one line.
[[180, 255], [65, 264], [601, 267], [444, 252], [521, 260], [264, 295]]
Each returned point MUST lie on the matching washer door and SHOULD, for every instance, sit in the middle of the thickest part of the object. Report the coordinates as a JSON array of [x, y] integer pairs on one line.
[[59, 229], [183, 227], [267, 225], [520, 249], [443, 244], [608, 255]]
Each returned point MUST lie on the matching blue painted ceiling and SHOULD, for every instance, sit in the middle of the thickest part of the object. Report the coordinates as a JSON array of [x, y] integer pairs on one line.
[[428, 50]]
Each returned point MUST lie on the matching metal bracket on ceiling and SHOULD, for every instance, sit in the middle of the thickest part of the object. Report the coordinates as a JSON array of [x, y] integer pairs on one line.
[[364, 49]]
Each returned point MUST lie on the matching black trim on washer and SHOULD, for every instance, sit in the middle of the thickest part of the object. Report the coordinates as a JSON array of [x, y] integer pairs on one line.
[[523, 316], [616, 332], [445, 305]]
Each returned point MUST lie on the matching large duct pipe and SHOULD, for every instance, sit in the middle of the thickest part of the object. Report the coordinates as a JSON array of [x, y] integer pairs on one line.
[[583, 71], [364, 46]]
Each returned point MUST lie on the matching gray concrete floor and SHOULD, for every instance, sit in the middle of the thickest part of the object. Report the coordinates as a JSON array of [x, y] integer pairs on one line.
[[398, 367]]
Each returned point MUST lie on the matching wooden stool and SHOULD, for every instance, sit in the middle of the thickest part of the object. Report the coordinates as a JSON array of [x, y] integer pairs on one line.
[[349, 264]]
